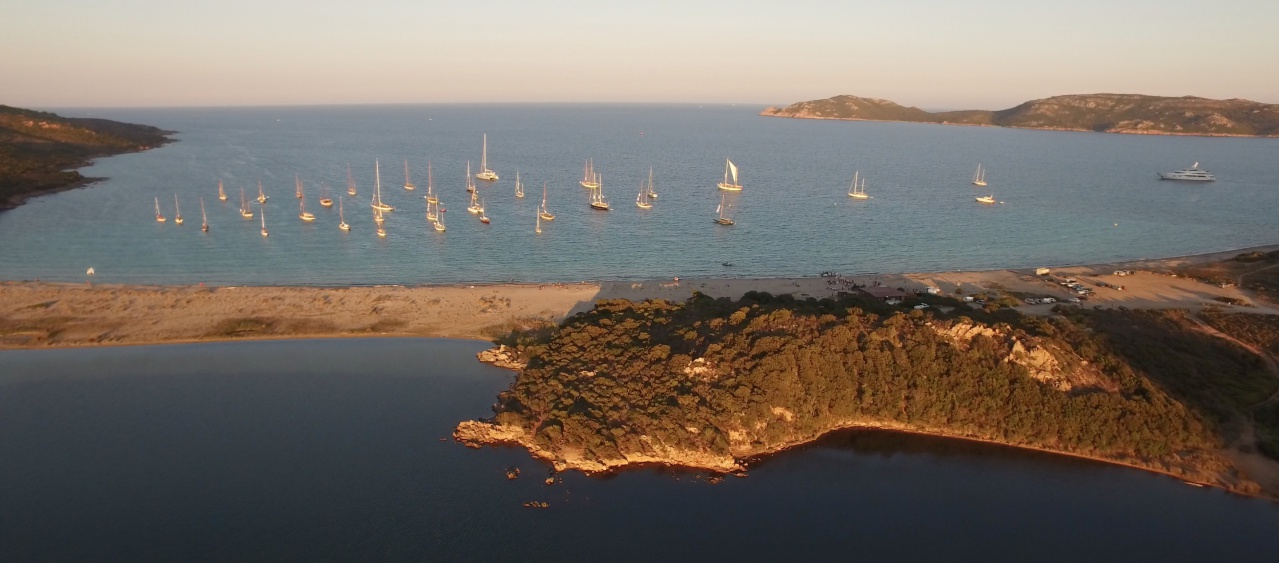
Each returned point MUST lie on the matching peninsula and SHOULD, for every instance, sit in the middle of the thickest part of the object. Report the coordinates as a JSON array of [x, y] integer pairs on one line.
[[38, 150], [1109, 113]]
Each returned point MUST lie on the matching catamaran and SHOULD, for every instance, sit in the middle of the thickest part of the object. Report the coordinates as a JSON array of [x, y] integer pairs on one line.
[[858, 191], [350, 181], [377, 195], [722, 220], [261, 195], [589, 177], [430, 185], [542, 212], [597, 195], [342, 217], [730, 168], [519, 186], [1192, 174], [470, 183], [245, 210], [641, 198], [485, 173], [177, 211], [408, 185], [204, 219], [221, 192], [651, 194], [303, 214], [158, 217], [979, 177]]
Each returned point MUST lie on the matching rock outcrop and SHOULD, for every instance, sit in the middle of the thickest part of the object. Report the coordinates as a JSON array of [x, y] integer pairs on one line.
[[502, 356]]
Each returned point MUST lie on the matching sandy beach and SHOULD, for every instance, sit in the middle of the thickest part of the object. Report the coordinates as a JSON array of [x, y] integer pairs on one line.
[[42, 314]]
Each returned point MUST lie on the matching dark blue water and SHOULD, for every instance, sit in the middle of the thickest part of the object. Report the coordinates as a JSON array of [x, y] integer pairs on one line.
[[1069, 197], [332, 450]]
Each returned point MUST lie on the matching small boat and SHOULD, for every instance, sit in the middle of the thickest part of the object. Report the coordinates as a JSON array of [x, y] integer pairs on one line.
[[589, 177], [542, 212], [1192, 174], [858, 191], [263, 221], [430, 185], [325, 200], [204, 218], [245, 210], [485, 173], [297, 186], [641, 198], [470, 183], [221, 192], [303, 214], [158, 217], [979, 177], [342, 217], [377, 195], [177, 211], [475, 208], [986, 199], [519, 186], [261, 195], [381, 227], [408, 185], [538, 228], [439, 220], [483, 218], [431, 213], [730, 169], [597, 195], [722, 220], [651, 194], [350, 181]]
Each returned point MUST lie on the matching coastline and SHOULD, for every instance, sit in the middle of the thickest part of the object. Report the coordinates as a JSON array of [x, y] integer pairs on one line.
[[766, 113]]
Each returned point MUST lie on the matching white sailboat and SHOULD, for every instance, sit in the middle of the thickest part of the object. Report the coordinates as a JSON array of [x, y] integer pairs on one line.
[[261, 195], [381, 226], [221, 192], [264, 233], [204, 218], [342, 216], [986, 199], [297, 186], [325, 200], [542, 212], [730, 169], [377, 194], [177, 211], [485, 173], [651, 194], [350, 181], [722, 219], [538, 228], [245, 210], [641, 198], [408, 185], [470, 182], [589, 176], [158, 217], [979, 177], [432, 212], [475, 208], [519, 186], [439, 219], [483, 218], [430, 185], [858, 190], [597, 195], [303, 214]]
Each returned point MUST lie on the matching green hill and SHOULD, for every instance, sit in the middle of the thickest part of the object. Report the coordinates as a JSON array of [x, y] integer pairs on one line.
[[38, 149], [1110, 113]]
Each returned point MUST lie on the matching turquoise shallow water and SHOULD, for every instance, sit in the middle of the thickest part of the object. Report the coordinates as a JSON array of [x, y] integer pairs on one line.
[[1068, 197], [338, 450]]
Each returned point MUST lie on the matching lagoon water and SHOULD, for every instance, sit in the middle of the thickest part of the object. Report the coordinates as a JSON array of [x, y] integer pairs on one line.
[[1068, 197], [339, 450]]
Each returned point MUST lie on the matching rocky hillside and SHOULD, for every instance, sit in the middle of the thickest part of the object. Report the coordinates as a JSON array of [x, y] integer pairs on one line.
[[1110, 113], [37, 148]]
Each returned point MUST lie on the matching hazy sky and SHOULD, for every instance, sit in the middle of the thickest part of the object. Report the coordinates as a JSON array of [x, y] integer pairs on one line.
[[936, 54]]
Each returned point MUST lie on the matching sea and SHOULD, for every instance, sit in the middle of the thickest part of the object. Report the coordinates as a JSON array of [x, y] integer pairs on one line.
[[340, 450], [1064, 197]]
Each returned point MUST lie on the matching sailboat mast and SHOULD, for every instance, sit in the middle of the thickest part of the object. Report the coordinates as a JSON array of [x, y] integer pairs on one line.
[[377, 174]]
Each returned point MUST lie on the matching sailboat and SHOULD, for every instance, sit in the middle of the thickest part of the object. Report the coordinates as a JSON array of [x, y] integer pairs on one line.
[[261, 195], [542, 212], [407, 184], [439, 219], [538, 228], [303, 214], [158, 217], [730, 168], [377, 195], [342, 217], [651, 194], [431, 213], [325, 200], [263, 220], [204, 218], [475, 208], [641, 198], [986, 199], [177, 211], [722, 220], [597, 195], [245, 211], [430, 185], [483, 218], [519, 186], [588, 175], [470, 183], [979, 177], [485, 173], [221, 192], [858, 190], [297, 189], [350, 181], [377, 218]]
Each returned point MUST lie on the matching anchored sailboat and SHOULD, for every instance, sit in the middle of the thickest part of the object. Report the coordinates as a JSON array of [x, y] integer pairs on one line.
[[483, 218], [430, 185], [986, 199], [439, 219], [651, 194], [377, 195], [589, 179], [263, 221], [470, 183], [221, 192], [431, 213], [297, 186], [485, 173], [342, 217], [303, 214], [734, 186], [261, 195], [722, 220], [204, 219], [325, 200], [641, 198], [979, 177], [538, 228], [519, 186], [542, 212], [475, 208], [858, 190], [350, 181], [177, 211], [597, 195], [408, 185], [158, 217], [245, 210], [377, 218]]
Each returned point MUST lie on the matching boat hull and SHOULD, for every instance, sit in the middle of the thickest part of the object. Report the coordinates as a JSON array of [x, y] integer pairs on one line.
[[1180, 178], [588, 185], [725, 222], [730, 187], [600, 206]]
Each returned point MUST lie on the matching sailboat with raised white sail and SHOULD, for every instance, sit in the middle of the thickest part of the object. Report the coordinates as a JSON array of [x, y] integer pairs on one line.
[[543, 212], [722, 219], [158, 217], [485, 173], [519, 186], [177, 211], [979, 177], [589, 179], [377, 194], [858, 189], [730, 169]]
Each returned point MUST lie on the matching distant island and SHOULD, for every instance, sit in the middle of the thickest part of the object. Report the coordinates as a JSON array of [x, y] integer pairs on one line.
[[38, 150], [1108, 113]]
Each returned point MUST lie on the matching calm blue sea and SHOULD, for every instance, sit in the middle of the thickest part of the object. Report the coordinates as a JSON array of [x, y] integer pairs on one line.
[[1068, 198], [339, 450]]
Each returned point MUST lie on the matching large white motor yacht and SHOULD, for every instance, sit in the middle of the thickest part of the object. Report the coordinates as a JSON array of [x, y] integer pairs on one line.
[[1192, 174]]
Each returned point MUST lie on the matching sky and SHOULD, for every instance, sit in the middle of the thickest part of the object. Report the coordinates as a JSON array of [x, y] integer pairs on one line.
[[935, 54]]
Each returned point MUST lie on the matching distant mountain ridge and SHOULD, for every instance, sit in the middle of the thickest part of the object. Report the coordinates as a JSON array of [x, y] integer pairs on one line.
[[1109, 113]]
